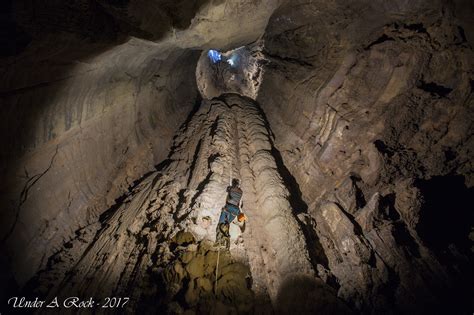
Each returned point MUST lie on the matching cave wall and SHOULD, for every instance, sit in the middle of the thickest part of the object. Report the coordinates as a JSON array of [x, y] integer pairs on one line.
[[90, 136], [372, 103], [93, 93]]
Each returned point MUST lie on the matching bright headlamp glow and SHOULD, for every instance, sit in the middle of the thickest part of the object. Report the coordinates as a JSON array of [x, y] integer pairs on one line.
[[214, 56]]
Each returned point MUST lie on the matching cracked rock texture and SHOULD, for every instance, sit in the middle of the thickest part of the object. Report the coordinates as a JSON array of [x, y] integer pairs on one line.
[[373, 121], [349, 124]]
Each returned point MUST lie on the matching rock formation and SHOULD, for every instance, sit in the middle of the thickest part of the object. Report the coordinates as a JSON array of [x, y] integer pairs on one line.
[[131, 247], [349, 124]]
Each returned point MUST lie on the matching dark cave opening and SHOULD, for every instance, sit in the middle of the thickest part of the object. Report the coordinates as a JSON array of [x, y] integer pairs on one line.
[[383, 148], [434, 88], [379, 40], [446, 215], [359, 194]]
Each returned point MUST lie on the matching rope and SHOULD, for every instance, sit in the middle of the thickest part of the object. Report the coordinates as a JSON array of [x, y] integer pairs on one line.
[[217, 269], [230, 173], [237, 149]]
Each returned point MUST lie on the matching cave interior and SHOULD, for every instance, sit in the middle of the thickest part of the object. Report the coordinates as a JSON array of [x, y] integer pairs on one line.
[[348, 123]]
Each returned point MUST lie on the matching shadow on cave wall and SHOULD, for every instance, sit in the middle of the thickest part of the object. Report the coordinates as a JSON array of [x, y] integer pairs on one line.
[[305, 295], [154, 18], [21, 106], [446, 215], [23, 49], [75, 28], [445, 222], [55, 33]]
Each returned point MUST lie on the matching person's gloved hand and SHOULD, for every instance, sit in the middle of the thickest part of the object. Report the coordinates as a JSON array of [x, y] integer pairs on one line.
[[241, 217]]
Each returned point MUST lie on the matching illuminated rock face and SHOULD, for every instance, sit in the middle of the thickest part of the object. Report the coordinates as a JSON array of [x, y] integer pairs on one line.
[[226, 137], [92, 95], [88, 147], [371, 127]]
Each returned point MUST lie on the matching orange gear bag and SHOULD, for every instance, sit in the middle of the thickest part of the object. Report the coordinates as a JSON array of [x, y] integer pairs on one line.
[[241, 217]]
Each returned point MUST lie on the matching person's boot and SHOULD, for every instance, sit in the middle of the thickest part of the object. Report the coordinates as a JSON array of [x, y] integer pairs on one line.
[[224, 235], [227, 243], [220, 236]]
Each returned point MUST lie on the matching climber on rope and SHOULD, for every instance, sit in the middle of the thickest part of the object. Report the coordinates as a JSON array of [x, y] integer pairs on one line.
[[231, 210]]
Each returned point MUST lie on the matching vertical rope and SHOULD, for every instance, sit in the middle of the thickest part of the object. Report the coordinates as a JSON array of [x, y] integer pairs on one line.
[[217, 269], [230, 173]]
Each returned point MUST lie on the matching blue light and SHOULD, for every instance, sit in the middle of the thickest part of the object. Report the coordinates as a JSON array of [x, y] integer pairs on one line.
[[214, 55]]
